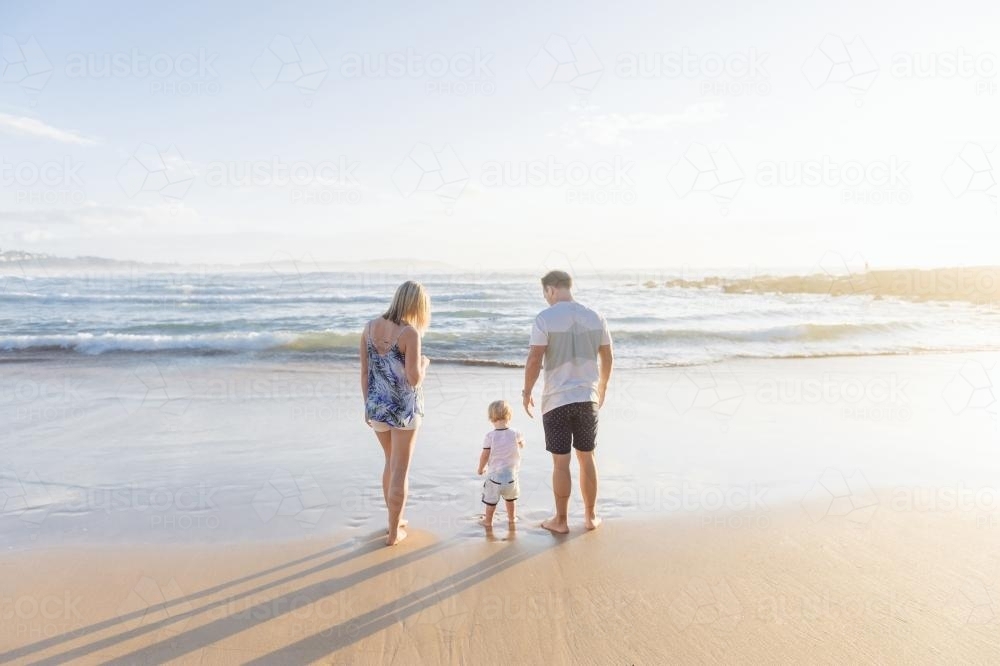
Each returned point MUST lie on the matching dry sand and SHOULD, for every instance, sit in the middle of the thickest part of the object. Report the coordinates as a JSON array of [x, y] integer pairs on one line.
[[902, 587]]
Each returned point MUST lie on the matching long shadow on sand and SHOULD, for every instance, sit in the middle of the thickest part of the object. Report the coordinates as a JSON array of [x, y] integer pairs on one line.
[[179, 601], [370, 545], [330, 639]]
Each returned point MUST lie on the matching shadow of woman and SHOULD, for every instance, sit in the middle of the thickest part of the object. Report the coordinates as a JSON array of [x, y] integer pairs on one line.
[[179, 601], [254, 614]]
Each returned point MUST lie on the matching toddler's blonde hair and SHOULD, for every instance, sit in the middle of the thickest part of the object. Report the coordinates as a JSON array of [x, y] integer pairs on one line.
[[500, 410]]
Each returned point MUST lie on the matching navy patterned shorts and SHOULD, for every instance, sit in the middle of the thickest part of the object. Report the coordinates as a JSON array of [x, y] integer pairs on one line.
[[571, 426]]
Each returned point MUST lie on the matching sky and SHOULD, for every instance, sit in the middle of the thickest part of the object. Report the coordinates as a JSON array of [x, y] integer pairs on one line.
[[499, 135]]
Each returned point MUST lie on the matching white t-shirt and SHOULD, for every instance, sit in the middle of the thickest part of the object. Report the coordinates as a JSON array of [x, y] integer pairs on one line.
[[571, 334], [505, 454]]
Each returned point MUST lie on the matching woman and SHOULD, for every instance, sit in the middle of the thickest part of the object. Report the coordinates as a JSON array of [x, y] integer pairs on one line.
[[392, 371]]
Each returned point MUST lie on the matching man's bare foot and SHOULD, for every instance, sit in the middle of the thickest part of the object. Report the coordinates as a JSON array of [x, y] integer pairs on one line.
[[593, 522], [555, 525], [394, 539]]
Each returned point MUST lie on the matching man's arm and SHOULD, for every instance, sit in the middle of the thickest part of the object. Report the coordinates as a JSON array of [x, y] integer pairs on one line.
[[532, 368], [607, 362]]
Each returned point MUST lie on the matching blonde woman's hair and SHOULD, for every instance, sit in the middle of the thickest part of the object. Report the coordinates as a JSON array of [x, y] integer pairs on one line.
[[411, 305], [499, 410]]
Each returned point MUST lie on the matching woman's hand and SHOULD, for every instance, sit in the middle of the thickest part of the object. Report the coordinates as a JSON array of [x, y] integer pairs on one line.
[[424, 362]]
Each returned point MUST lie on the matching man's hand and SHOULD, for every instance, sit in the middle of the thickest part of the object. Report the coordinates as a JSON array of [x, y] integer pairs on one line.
[[529, 402], [602, 391]]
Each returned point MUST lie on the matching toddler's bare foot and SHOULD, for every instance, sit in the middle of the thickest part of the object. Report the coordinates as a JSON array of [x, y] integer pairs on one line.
[[486, 523], [394, 539], [554, 524], [592, 522]]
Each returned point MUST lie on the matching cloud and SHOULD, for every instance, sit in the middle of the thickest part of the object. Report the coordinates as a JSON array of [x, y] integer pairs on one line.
[[612, 129], [34, 127]]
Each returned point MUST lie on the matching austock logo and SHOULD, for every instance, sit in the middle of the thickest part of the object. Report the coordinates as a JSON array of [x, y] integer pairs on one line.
[[284, 61], [706, 171], [425, 170], [24, 63], [836, 62], [559, 62]]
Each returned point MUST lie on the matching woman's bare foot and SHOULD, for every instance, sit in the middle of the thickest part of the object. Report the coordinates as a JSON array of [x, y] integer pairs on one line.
[[554, 524], [593, 522], [394, 539], [402, 523]]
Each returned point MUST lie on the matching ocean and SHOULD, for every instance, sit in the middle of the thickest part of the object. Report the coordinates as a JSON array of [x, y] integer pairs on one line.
[[478, 319], [224, 406]]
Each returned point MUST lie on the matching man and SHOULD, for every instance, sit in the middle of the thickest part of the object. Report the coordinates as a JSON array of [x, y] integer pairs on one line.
[[570, 338]]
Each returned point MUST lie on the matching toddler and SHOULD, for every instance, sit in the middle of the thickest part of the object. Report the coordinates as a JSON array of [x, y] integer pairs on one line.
[[501, 460]]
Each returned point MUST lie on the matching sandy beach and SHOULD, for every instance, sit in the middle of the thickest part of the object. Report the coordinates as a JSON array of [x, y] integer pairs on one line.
[[906, 587], [269, 273], [828, 510]]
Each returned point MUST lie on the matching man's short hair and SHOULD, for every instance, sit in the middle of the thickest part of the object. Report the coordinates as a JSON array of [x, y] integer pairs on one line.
[[558, 279]]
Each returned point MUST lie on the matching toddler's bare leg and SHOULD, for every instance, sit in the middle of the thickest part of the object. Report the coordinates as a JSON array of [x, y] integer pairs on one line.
[[487, 520]]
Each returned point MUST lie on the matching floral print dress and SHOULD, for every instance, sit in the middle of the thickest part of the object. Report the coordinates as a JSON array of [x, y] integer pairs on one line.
[[391, 399]]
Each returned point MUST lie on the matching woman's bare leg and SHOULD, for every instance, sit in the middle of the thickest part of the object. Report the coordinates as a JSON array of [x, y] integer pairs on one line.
[[399, 481], [385, 439]]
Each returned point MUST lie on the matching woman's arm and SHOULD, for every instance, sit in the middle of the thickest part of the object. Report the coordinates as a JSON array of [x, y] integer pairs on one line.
[[416, 364], [363, 351]]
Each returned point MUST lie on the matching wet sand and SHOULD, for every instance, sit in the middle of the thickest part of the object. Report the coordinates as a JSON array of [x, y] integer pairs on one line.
[[819, 511]]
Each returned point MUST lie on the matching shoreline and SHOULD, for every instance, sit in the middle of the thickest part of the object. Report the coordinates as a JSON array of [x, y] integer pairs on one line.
[[232, 453], [280, 357]]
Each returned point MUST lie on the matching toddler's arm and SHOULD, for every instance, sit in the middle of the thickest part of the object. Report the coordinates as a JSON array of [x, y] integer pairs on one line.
[[484, 457]]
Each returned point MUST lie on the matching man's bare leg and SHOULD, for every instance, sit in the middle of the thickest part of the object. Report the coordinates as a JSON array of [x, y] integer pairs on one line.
[[562, 484], [588, 488]]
